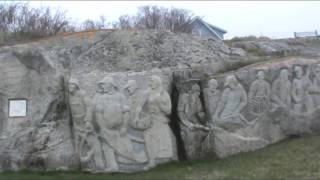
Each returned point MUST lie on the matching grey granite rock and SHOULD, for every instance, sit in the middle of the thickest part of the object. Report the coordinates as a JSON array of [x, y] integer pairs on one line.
[[125, 101]]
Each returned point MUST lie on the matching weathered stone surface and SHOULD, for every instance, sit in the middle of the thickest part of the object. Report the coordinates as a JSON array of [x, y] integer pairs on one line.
[[269, 47], [130, 122], [41, 139], [124, 101], [257, 105]]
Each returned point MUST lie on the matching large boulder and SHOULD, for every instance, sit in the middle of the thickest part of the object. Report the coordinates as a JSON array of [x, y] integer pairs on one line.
[[35, 134], [125, 101], [249, 108]]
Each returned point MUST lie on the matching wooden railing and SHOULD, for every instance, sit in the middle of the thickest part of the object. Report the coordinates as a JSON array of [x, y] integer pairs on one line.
[[306, 34]]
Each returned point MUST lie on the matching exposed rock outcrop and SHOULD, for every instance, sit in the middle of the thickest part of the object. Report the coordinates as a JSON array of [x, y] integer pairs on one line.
[[124, 101]]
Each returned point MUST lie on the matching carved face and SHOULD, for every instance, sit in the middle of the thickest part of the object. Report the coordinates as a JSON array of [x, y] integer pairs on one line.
[[132, 86], [213, 85], [195, 90], [298, 71], [73, 88], [284, 74], [260, 75], [107, 85], [231, 81], [155, 82]]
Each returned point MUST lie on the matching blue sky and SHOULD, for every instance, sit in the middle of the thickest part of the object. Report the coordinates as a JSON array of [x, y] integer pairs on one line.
[[275, 19]]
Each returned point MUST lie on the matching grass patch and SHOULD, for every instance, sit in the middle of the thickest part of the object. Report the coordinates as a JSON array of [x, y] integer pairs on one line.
[[291, 159]]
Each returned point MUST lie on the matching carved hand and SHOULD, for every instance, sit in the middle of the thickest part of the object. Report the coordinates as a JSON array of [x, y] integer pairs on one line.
[[89, 127], [192, 127]]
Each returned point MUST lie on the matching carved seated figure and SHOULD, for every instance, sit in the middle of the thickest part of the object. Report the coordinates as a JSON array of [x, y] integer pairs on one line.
[[233, 100], [191, 114]]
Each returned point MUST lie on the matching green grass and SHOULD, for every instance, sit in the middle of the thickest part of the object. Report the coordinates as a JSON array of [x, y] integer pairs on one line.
[[291, 159]]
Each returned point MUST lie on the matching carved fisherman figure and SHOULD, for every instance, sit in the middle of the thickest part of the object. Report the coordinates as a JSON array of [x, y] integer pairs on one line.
[[259, 94], [111, 113], [78, 112], [86, 142]]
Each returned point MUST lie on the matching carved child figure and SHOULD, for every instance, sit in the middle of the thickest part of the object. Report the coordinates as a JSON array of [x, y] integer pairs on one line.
[[191, 114], [259, 94]]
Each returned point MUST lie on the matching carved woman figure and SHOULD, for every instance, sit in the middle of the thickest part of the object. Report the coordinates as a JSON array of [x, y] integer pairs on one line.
[[259, 94], [301, 85], [159, 138], [233, 100], [281, 90]]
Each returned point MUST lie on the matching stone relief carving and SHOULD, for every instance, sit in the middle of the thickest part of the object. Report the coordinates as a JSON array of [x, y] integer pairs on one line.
[[301, 85], [212, 96], [111, 112], [192, 121], [159, 137], [233, 100], [259, 95], [78, 109], [315, 90], [281, 90], [85, 139], [136, 124]]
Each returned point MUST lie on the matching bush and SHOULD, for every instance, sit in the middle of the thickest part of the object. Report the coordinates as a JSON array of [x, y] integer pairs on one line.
[[19, 21]]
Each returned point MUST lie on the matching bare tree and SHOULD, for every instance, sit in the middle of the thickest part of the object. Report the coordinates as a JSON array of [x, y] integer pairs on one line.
[[20, 19], [89, 24], [125, 22], [158, 18]]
